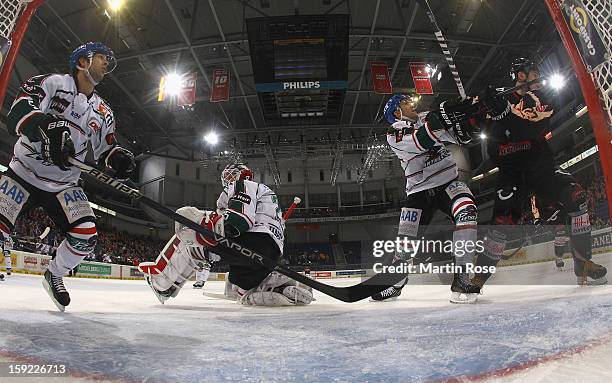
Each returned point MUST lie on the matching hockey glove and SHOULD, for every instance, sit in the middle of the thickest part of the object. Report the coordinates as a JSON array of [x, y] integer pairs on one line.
[[56, 145], [454, 115], [497, 107], [120, 161]]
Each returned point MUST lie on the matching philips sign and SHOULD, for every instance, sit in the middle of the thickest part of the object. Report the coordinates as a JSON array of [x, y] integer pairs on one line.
[[301, 85]]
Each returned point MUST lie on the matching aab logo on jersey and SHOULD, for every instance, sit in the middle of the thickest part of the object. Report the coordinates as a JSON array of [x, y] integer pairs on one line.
[[13, 191], [74, 195]]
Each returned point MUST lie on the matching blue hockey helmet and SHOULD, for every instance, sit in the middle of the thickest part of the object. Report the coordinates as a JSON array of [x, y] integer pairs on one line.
[[88, 50], [392, 105]]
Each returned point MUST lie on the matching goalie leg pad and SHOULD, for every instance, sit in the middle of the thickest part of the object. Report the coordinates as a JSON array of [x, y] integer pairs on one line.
[[173, 267], [277, 290]]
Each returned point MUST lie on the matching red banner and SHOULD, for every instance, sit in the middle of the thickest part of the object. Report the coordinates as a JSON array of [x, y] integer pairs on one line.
[[381, 81], [220, 86], [422, 84], [187, 96]]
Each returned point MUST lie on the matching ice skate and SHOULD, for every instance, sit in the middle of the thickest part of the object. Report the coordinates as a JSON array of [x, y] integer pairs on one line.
[[463, 290], [592, 274], [198, 285], [389, 294], [559, 263], [56, 290], [1, 277], [162, 296]]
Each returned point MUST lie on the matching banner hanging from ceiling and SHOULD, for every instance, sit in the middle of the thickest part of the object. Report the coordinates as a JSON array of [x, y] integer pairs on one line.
[[220, 86], [187, 95], [381, 81], [420, 77]]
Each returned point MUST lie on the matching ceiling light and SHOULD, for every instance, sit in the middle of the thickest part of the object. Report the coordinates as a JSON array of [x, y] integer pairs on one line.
[[173, 84], [212, 138], [557, 81], [115, 5]]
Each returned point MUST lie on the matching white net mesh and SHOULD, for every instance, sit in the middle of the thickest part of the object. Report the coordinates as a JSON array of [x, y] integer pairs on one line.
[[9, 13], [600, 11]]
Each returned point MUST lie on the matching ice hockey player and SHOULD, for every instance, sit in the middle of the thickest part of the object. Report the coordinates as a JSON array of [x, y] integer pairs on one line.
[[55, 117], [249, 214], [518, 147], [419, 140], [202, 276], [7, 247]]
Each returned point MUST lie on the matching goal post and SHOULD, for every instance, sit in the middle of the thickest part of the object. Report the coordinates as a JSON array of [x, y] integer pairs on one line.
[[15, 15], [596, 85]]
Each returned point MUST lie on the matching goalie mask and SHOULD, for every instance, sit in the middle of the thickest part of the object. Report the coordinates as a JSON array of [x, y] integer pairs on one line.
[[235, 172]]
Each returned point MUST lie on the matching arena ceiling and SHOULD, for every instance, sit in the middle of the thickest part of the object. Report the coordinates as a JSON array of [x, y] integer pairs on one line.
[[152, 38]]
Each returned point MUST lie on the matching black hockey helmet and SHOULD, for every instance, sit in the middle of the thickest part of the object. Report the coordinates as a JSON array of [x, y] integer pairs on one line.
[[521, 64]]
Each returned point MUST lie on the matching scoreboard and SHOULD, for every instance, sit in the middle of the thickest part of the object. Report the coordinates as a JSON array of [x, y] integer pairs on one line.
[[300, 64]]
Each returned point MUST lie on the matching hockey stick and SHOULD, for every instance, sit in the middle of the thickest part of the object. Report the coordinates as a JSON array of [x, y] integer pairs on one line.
[[289, 212], [442, 42], [228, 246], [45, 233]]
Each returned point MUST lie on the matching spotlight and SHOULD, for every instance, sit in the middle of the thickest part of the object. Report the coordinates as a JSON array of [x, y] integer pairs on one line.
[[115, 5], [557, 81], [212, 138], [173, 84], [483, 136]]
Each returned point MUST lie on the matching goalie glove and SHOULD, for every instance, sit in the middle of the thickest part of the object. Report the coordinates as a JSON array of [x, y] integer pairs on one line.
[[208, 219], [56, 144]]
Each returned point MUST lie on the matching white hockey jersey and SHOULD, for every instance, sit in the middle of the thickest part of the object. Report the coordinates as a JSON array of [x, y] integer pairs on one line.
[[427, 163], [58, 95], [253, 207]]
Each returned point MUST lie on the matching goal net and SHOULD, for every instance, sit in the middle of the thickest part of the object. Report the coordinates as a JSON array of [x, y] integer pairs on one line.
[[596, 84], [600, 12], [14, 18]]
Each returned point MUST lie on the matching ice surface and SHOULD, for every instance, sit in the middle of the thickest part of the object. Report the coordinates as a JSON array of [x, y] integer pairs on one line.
[[117, 330]]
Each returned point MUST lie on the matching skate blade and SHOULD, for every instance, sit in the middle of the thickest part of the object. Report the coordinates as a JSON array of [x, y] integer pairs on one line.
[[463, 298], [45, 284]]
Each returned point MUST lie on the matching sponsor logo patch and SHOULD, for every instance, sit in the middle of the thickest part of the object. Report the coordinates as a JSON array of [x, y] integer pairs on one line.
[[12, 198], [409, 221], [75, 204], [244, 198], [457, 187], [513, 147]]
